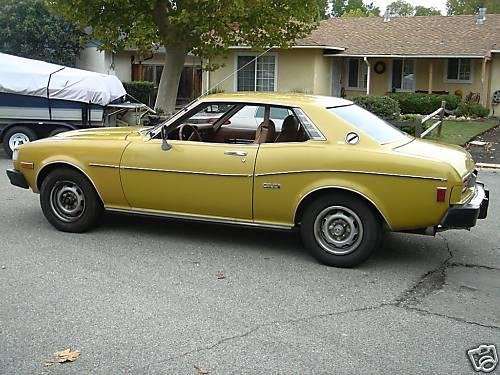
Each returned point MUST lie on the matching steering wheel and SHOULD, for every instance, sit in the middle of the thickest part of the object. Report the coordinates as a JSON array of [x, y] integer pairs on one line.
[[189, 132]]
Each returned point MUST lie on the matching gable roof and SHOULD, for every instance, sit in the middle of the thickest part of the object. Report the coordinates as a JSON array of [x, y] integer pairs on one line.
[[409, 36]]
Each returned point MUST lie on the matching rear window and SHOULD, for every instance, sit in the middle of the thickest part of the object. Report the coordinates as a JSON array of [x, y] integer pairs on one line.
[[375, 127]]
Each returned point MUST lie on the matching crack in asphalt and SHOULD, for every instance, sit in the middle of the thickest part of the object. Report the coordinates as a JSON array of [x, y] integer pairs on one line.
[[455, 318], [428, 283], [262, 325], [431, 281]]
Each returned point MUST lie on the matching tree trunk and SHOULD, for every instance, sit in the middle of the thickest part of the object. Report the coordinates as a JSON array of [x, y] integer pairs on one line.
[[170, 77]]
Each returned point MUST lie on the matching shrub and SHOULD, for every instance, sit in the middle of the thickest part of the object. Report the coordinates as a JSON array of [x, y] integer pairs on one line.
[[472, 110], [424, 104], [143, 91], [383, 106]]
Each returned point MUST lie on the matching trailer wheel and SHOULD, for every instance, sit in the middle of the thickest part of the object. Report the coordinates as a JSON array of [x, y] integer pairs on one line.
[[17, 136], [58, 130]]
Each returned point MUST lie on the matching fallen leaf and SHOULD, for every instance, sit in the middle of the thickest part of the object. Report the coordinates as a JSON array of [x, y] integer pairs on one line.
[[220, 275], [200, 370], [67, 356]]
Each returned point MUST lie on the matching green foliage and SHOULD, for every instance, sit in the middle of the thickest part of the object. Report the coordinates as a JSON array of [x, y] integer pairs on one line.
[[424, 104], [472, 110], [383, 106], [205, 27], [425, 11], [456, 7], [353, 8], [143, 91], [27, 29], [401, 8]]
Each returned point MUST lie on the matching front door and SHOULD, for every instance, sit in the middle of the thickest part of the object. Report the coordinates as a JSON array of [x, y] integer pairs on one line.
[[194, 178]]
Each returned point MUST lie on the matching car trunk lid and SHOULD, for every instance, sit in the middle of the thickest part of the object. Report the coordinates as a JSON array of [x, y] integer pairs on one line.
[[456, 156]]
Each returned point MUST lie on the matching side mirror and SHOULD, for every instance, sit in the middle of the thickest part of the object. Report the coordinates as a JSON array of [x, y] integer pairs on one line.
[[165, 146]]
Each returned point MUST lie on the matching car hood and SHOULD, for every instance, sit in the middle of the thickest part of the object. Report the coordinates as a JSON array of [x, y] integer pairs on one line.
[[100, 133], [455, 156]]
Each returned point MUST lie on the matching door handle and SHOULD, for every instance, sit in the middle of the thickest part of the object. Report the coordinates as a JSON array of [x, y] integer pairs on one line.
[[235, 153]]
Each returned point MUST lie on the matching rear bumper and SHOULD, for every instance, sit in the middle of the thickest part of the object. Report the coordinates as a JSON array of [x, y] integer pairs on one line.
[[17, 179], [465, 216]]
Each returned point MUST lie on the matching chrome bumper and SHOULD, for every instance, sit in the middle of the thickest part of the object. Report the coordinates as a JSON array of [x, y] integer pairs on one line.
[[465, 216]]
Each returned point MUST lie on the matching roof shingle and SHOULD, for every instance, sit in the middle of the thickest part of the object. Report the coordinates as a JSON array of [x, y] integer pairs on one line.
[[420, 35]]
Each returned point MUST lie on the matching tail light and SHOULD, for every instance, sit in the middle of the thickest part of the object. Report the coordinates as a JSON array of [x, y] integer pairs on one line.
[[441, 194]]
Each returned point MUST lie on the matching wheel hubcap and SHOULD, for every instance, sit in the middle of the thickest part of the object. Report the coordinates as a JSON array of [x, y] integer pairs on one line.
[[18, 139], [338, 230], [67, 201]]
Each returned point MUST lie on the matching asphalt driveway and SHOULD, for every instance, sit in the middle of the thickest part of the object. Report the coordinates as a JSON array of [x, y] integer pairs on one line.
[[150, 296]]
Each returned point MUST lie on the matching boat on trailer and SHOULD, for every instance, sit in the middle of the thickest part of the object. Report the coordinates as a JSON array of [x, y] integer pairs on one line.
[[40, 99]]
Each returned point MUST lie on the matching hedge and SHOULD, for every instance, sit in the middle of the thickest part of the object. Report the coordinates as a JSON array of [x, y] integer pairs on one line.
[[383, 106], [143, 91], [424, 104], [472, 110]]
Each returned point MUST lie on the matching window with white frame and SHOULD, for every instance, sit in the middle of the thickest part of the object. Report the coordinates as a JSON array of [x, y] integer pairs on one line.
[[459, 70], [256, 74], [403, 75], [357, 73]]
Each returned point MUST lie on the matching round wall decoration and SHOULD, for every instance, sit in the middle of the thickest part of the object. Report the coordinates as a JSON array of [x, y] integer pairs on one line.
[[379, 67]]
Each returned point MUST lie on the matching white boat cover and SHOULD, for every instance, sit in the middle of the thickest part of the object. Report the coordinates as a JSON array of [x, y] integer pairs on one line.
[[33, 77]]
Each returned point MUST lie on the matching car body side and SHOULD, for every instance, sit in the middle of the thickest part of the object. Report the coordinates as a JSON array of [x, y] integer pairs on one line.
[[400, 186]]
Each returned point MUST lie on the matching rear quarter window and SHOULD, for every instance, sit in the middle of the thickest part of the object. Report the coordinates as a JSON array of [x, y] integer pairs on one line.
[[378, 129]]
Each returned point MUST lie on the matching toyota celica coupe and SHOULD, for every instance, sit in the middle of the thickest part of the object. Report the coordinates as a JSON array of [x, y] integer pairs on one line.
[[331, 169]]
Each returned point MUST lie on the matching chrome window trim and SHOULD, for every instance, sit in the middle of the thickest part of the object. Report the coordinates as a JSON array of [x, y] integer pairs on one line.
[[194, 217], [308, 125], [186, 172], [351, 171]]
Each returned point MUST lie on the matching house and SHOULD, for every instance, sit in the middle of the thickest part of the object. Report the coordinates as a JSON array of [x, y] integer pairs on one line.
[[373, 56], [128, 65]]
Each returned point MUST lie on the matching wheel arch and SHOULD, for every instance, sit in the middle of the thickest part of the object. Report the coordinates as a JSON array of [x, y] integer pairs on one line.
[[327, 190], [52, 166]]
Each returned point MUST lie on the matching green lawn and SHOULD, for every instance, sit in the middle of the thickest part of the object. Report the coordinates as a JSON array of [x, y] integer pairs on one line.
[[460, 132]]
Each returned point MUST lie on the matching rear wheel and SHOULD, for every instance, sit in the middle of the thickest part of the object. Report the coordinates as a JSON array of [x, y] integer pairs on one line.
[[69, 201], [340, 230], [17, 136]]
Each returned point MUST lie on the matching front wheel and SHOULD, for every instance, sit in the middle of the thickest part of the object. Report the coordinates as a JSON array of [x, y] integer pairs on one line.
[[340, 230], [69, 201]]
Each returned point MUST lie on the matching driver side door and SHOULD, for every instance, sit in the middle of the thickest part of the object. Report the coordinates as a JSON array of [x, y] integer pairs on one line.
[[206, 180]]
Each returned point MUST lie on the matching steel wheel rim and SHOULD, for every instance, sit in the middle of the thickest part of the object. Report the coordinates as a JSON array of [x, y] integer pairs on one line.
[[18, 139], [338, 230], [67, 201]]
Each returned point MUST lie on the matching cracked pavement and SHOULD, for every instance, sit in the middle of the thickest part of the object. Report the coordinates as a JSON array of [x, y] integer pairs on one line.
[[143, 296]]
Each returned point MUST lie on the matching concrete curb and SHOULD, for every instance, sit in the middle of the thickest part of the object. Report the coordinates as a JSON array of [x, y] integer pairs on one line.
[[488, 166]]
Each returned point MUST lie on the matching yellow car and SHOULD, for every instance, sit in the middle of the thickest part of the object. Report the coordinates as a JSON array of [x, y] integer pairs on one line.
[[331, 169]]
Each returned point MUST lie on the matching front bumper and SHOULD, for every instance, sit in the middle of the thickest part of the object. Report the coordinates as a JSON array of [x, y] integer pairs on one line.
[[465, 216], [17, 179]]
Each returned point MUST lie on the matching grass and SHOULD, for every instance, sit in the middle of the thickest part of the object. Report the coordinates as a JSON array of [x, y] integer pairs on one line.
[[461, 132]]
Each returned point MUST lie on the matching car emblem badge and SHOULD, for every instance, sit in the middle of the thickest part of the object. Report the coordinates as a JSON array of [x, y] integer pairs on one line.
[[270, 185], [352, 138]]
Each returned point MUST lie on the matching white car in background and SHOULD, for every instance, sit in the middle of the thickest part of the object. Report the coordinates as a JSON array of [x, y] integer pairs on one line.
[[248, 118]]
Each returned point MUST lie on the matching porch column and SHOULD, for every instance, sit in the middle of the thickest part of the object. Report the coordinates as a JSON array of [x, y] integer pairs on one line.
[[429, 89], [484, 85], [368, 76]]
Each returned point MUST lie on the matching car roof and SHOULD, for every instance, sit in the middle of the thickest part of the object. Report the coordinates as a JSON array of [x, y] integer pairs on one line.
[[277, 98]]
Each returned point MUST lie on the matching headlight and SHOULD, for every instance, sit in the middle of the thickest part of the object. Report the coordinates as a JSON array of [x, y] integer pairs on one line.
[[15, 154]]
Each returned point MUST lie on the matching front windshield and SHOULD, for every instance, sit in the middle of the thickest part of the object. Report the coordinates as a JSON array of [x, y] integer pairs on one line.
[[374, 126]]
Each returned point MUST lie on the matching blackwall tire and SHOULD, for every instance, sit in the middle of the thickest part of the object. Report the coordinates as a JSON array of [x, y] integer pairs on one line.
[[69, 201], [16, 136], [340, 230]]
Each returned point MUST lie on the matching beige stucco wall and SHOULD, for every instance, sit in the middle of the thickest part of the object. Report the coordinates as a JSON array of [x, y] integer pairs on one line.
[[92, 59], [304, 70], [495, 80], [381, 83]]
